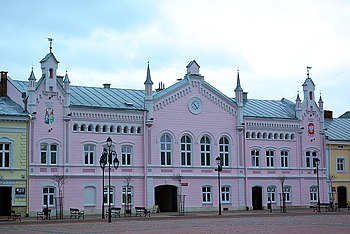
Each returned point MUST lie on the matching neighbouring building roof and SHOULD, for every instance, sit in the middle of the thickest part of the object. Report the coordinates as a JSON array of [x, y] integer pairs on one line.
[[345, 115], [11, 108], [337, 129]]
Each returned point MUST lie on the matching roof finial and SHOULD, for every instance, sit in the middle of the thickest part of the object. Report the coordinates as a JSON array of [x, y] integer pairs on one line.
[[50, 40], [308, 69]]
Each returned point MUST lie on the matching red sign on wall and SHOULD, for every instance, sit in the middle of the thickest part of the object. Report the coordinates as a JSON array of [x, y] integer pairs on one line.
[[184, 184]]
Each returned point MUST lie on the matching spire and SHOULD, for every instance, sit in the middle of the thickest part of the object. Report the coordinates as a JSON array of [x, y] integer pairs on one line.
[[298, 97], [320, 100], [238, 87], [66, 79], [148, 78], [32, 76]]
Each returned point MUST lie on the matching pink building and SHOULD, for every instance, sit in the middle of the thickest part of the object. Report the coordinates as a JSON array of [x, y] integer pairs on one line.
[[167, 142]]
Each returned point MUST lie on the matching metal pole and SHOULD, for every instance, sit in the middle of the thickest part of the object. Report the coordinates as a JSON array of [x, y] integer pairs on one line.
[[109, 185], [103, 193], [318, 190], [219, 190]]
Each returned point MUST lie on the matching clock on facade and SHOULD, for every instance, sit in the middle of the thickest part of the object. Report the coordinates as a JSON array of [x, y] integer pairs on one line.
[[195, 105]]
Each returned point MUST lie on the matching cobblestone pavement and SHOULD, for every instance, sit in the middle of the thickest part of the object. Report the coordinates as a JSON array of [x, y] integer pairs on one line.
[[231, 222]]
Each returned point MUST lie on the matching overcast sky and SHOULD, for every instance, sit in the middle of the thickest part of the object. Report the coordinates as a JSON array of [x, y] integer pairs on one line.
[[271, 41]]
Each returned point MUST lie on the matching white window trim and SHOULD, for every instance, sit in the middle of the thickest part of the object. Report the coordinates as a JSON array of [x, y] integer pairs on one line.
[[344, 164]]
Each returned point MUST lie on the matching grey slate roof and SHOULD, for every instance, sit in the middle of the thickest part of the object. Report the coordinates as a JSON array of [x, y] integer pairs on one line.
[[107, 98], [11, 108], [338, 129], [345, 115], [283, 109]]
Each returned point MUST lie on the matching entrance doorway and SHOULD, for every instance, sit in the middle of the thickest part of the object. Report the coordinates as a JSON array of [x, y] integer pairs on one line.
[[342, 197], [165, 197], [257, 198], [5, 200]]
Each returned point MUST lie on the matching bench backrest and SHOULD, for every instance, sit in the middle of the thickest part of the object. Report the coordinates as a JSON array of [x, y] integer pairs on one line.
[[74, 210]]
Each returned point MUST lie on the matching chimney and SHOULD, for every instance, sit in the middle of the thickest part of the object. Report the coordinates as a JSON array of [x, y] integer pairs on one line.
[[3, 84], [328, 114], [245, 96], [107, 86]]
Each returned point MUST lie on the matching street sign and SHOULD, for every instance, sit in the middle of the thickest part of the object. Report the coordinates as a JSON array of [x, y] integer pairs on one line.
[[184, 184]]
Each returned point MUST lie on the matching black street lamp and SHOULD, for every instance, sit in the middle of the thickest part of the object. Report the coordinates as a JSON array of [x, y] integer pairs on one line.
[[317, 163], [106, 159], [103, 162], [219, 169]]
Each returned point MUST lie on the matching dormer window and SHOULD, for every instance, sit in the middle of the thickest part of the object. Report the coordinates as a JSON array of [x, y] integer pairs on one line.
[[51, 73]]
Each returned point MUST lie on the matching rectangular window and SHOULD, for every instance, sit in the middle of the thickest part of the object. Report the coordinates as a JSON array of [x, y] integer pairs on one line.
[[4, 155], [205, 151], [186, 150], [48, 196], [340, 164], [89, 152], [284, 158], [43, 153], [126, 155], [271, 193], [127, 195], [313, 194], [107, 198], [255, 156], [48, 153], [270, 158], [224, 152], [225, 194], [286, 191], [206, 194]]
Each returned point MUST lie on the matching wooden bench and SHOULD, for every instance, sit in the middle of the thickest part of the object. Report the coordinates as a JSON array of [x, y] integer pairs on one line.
[[44, 214], [142, 210], [325, 206], [115, 211], [76, 213], [13, 215]]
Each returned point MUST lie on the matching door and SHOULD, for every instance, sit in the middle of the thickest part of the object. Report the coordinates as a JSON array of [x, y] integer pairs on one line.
[[257, 198], [5, 200], [342, 197], [166, 198]]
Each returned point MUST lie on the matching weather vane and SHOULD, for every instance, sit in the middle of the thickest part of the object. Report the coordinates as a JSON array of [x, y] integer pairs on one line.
[[50, 40], [308, 69]]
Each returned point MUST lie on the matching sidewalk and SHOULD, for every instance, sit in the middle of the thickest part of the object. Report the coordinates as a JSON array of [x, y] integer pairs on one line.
[[175, 215]]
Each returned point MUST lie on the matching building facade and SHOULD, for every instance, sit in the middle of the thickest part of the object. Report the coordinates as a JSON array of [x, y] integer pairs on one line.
[[338, 158], [167, 141], [13, 153]]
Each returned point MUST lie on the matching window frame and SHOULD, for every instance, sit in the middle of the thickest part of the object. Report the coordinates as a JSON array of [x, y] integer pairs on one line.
[[48, 198], [313, 193], [126, 156], [225, 194], [271, 191], [5, 155], [186, 150], [284, 158], [340, 164], [106, 198], [255, 157], [49, 154], [166, 148], [206, 194], [224, 151], [205, 151], [270, 159], [89, 154]]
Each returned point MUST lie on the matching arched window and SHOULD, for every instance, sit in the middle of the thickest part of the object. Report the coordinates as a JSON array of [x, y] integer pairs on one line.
[[75, 127], [51, 73], [119, 129], [186, 150], [292, 136], [126, 129], [287, 193], [281, 136], [132, 129], [83, 128], [270, 136], [313, 193], [165, 149], [104, 128], [264, 135], [224, 151], [247, 135], [258, 135], [111, 128], [206, 194], [139, 130], [253, 135], [90, 128], [275, 136], [286, 136], [205, 151], [98, 128]]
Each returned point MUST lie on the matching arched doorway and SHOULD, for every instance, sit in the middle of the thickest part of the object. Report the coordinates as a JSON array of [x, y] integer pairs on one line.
[[342, 197], [165, 197], [257, 198]]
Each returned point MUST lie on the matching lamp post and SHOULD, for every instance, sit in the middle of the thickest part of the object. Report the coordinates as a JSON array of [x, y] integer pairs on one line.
[[317, 163], [219, 169], [106, 159], [103, 162]]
